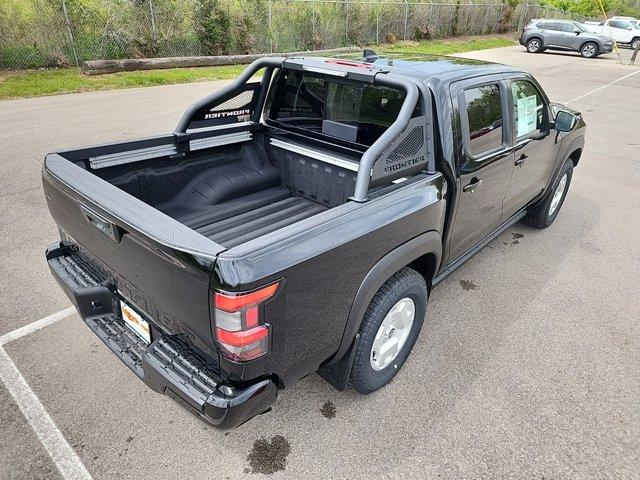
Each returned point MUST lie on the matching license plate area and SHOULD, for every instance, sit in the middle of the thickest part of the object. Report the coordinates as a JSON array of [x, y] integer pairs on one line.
[[134, 321]]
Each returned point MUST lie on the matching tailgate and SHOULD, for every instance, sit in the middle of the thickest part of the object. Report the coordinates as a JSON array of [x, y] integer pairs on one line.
[[154, 262]]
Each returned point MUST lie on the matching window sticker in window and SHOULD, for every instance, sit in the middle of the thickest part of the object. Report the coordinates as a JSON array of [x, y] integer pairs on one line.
[[529, 108], [527, 115]]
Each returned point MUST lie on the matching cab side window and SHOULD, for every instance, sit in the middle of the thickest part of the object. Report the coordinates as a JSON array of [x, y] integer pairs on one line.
[[551, 26], [528, 108], [484, 116], [620, 24]]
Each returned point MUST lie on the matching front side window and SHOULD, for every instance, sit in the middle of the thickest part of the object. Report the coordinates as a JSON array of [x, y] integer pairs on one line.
[[578, 27], [568, 27], [620, 24], [572, 27], [354, 113], [484, 115], [528, 108]]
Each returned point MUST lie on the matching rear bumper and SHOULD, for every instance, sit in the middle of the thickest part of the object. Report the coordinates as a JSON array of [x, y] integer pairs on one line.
[[521, 40], [170, 364]]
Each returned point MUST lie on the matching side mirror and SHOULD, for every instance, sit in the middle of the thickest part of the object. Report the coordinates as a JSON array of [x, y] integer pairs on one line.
[[565, 121], [577, 32]]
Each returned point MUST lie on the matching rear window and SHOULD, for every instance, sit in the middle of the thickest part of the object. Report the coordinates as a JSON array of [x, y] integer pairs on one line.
[[354, 113], [550, 26], [484, 114]]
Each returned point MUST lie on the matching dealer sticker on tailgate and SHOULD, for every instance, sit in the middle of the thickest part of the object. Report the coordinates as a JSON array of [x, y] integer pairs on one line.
[[135, 322]]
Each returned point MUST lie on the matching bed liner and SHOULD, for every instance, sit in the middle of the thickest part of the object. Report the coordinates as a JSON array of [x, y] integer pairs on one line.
[[244, 218]]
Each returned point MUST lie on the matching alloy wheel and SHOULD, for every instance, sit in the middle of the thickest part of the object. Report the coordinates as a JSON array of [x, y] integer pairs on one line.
[[557, 195], [393, 333]]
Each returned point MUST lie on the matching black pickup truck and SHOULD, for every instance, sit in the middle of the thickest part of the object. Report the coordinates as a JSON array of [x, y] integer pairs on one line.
[[297, 223]]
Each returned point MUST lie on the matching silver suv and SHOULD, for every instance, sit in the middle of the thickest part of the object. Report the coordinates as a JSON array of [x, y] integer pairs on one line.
[[542, 34]]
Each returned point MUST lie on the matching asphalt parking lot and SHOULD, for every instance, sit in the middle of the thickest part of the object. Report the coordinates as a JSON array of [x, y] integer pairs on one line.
[[528, 364]]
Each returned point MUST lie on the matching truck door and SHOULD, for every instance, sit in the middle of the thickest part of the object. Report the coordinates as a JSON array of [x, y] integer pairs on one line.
[[533, 146], [485, 161]]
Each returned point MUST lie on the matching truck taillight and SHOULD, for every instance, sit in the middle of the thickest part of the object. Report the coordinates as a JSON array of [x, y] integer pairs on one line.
[[239, 327]]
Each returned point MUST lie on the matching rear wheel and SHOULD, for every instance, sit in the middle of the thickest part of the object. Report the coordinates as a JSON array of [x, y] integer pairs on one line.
[[543, 214], [589, 50], [534, 45], [389, 330]]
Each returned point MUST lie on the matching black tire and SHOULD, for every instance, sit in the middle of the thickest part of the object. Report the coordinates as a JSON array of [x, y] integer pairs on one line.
[[634, 43], [534, 45], [541, 215], [589, 50], [407, 283]]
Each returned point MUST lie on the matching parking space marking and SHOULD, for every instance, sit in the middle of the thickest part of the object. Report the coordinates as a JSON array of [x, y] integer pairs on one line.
[[601, 88], [65, 459], [37, 325]]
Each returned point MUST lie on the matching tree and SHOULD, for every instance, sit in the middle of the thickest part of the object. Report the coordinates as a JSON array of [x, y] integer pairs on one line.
[[212, 26]]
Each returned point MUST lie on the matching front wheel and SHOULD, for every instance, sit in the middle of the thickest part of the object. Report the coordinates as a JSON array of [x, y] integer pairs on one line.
[[543, 214], [534, 45], [389, 330], [634, 43], [589, 50]]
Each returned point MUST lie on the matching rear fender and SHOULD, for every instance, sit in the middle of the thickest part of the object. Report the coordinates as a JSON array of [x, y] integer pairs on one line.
[[336, 370]]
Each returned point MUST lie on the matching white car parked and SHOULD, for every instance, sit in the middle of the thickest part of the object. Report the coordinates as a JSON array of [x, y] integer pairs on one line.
[[624, 31]]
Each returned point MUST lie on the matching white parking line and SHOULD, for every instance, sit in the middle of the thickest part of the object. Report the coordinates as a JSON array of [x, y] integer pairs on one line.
[[37, 325], [601, 88], [65, 459]]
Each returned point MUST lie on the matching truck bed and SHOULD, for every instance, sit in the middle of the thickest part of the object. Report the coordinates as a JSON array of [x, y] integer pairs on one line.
[[235, 193], [244, 218]]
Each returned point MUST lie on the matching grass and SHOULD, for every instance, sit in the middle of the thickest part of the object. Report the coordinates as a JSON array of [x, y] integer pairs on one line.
[[35, 83], [449, 46]]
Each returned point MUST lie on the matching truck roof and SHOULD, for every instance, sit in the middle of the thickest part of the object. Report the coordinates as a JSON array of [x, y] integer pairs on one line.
[[421, 66]]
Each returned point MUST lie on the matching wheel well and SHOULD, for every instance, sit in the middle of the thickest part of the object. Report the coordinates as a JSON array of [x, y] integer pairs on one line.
[[575, 156], [425, 266], [536, 37]]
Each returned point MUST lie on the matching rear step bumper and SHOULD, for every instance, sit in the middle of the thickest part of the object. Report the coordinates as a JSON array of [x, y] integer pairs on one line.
[[169, 365]]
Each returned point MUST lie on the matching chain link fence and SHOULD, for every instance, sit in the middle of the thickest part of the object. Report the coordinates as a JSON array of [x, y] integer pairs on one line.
[[54, 33]]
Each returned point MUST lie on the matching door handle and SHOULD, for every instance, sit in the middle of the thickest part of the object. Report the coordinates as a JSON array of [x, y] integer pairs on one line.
[[520, 161], [471, 187]]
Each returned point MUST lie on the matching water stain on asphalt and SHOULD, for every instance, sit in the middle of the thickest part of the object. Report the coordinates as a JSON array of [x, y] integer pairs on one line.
[[516, 237], [467, 285], [269, 457], [328, 410]]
